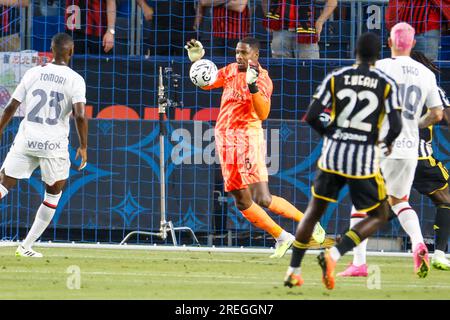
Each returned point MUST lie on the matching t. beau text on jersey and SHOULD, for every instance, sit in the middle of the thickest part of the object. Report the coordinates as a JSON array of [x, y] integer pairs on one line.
[[359, 80], [53, 78]]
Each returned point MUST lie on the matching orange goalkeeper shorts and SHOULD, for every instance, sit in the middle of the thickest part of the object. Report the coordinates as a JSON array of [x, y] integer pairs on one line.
[[242, 155]]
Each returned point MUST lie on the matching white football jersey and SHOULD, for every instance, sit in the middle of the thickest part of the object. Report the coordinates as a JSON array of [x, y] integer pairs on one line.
[[49, 93], [418, 88]]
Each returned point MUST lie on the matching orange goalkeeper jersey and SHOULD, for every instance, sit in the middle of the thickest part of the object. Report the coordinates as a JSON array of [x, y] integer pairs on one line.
[[236, 107]]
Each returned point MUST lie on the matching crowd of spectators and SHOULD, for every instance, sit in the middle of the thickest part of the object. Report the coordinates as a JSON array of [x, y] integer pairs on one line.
[[290, 28]]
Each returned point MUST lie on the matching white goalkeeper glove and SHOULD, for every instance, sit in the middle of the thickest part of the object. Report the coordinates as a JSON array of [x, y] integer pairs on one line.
[[252, 76], [195, 50]]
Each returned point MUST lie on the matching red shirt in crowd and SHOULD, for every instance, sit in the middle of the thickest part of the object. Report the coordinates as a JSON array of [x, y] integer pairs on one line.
[[230, 24], [422, 15], [294, 15], [87, 16]]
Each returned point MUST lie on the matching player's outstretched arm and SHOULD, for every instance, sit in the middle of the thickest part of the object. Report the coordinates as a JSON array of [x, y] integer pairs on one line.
[[7, 115], [82, 129]]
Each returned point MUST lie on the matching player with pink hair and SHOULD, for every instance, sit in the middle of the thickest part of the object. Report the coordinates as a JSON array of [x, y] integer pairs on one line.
[[418, 89]]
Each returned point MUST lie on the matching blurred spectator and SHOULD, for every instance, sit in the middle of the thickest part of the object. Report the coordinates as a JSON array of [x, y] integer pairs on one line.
[[427, 18], [124, 8], [91, 24], [10, 26], [146, 10], [230, 22], [48, 7], [170, 27], [296, 31]]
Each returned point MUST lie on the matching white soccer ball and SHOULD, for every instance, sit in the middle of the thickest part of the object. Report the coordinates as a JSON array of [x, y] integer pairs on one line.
[[203, 72]]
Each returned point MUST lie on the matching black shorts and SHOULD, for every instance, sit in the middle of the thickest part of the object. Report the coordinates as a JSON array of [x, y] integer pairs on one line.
[[431, 176], [366, 193]]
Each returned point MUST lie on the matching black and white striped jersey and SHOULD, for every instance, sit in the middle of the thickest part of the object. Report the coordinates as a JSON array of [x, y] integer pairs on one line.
[[359, 97], [426, 134]]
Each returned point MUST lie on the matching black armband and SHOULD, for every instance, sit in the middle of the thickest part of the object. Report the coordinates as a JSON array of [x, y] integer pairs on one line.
[[395, 126]]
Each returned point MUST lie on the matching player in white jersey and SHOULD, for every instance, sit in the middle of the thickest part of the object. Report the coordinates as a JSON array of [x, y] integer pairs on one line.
[[50, 93], [431, 179], [418, 88]]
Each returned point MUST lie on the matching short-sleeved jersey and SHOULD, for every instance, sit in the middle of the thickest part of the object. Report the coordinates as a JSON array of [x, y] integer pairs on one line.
[[49, 93], [418, 87], [236, 107], [359, 97], [426, 134]]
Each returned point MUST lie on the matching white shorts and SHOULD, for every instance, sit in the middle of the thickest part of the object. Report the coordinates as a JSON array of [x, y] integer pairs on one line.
[[21, 166], [399, 176]]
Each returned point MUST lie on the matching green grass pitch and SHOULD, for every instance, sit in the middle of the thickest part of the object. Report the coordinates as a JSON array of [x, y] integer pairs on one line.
[[142, 274]]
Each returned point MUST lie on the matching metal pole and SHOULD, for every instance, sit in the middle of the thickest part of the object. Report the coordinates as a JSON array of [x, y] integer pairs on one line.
[[138, 32], [162, 103], [359, 15], [132, 21], [26, 26], [352, 29], [166, 226]]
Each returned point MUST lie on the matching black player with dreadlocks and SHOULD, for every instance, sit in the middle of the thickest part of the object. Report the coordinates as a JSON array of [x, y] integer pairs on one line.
[[431, 178]]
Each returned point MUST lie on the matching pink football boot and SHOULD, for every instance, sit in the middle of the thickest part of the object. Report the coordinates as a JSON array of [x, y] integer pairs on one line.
[[354, 271], [421, 262]]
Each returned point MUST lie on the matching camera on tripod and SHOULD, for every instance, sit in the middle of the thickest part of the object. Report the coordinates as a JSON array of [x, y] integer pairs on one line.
[[173, 82]]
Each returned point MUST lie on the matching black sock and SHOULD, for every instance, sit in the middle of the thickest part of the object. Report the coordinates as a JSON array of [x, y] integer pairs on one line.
[[350, 240], [298, 252], [442, 227]]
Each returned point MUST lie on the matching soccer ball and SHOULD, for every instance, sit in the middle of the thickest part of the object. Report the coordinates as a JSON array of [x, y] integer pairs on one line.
[[203, 73]]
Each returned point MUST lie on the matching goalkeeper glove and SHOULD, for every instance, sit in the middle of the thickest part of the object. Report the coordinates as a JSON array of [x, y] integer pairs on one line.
[[195, 50], [252, 76]]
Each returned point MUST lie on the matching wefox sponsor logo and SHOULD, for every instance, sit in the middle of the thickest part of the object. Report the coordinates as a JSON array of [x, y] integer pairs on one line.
[[47, 145]]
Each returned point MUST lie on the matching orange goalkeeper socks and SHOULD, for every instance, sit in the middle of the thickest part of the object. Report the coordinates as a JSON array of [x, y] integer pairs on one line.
[[258, 217], [284, 208]]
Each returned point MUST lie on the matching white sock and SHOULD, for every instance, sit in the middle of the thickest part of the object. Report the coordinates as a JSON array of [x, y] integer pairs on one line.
[[3, 191], [284, 236], [410, 222], [295, 271], [335, 254], [359, 252], [43, 217]]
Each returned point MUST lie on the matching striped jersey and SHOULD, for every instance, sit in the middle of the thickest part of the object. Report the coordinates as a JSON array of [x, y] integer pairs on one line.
[[426, 134], [87, 16], [230, 24], [293, 15], [422, 15], [418, 88], [359, 97], [9, 21]]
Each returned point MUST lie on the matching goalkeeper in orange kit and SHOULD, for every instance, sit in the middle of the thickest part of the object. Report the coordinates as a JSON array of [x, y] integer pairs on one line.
[[240, 143]]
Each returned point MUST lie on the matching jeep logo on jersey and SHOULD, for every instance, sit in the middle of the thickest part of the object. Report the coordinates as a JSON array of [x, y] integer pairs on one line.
[[47, 145]]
